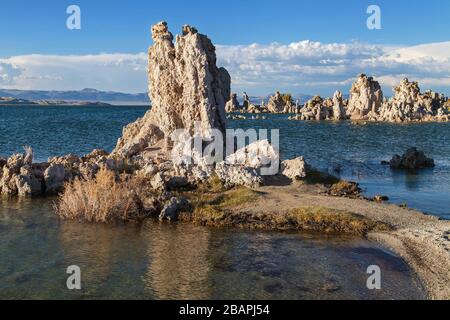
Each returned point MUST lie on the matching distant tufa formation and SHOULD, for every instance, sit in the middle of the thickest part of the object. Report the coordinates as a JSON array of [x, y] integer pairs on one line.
[[366, 103], [185, 86]]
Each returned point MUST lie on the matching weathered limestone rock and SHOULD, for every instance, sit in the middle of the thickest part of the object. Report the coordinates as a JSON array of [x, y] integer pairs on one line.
[[158, 182], [256, 155], [411, 159], [27, 183], [294, 169], [172, 209], [54, 178], [290, 107], [366, 98], [233, 104], [408, 104], [339, 112], [18, 177], [252, 108], [447, 105], [86, 170], [194, 173], [238, 175], [185, 86], [366, 103], [315, 109], [246, 101], [276, 103]]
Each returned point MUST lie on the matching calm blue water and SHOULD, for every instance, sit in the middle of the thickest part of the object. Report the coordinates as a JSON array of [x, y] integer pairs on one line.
[[182, 261], [353, 151]]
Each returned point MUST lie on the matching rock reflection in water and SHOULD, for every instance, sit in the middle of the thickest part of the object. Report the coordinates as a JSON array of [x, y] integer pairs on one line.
[[183, 261], [178, 262]]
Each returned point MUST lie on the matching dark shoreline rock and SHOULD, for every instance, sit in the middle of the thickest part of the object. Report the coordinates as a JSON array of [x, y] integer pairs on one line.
[[411, 159]]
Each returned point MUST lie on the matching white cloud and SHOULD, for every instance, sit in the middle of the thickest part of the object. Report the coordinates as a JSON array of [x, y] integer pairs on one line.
[[300, 67], [315, 67], [8, 72], [115, 72]]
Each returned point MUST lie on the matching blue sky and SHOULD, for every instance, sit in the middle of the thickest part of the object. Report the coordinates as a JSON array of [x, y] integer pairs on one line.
[[122, 27]]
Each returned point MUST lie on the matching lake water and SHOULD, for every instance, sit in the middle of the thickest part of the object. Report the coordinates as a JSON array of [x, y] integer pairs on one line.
[[161, 261], [182, 261], [355, 150]]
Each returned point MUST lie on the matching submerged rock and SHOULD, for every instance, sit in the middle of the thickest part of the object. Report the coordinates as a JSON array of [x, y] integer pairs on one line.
[[411, 159]]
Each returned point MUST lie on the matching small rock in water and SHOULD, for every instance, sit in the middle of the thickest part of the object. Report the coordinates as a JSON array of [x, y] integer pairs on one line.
[[411, 159], [380, 198]]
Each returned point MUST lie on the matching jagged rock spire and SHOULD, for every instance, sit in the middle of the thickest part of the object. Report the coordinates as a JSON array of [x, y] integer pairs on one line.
[[185, 87]]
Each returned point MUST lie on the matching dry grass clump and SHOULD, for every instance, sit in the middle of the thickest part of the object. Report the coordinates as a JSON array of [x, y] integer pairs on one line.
[[235, 197], [105, 198], [212, 185], [328, 220], [345, 189], [213, 208], [310, 219]]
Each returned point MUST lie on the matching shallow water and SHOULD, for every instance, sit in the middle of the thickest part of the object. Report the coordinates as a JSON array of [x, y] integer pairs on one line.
[[182, 261], [154, 261], [353, 151]]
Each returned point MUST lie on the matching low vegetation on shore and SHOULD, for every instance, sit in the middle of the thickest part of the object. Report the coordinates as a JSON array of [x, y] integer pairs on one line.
[[105, 198], [219, 208], [110, 197]]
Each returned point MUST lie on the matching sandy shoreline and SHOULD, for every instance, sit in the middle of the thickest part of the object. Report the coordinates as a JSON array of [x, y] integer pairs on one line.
[[422, 240]]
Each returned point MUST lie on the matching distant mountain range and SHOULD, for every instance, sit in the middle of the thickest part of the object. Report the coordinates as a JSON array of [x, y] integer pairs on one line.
[[9, 101], [92, 96], [85, 95]]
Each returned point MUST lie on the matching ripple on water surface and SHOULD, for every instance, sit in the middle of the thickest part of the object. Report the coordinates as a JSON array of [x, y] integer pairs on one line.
[[353, 151], [182, 261]]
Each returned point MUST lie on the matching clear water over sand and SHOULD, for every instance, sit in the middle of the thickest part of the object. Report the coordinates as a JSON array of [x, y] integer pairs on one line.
[[153, 261], [182, 261]]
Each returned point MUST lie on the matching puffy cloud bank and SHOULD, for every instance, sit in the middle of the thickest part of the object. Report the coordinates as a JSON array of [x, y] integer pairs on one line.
[[312, 67], [115, 72], [300, 67]]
